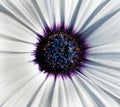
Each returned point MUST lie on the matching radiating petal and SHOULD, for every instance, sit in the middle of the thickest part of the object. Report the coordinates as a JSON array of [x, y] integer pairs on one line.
[[10, 61], [83, 94], [107, 33], [59, 95], [43, 95], [88, 11], [111, 6], [104, 67], [72, 96], [99, 23], [99, 96], [108, 82], [69, 10], [16, 80], [22, 13], [11, 29], [23, 95]]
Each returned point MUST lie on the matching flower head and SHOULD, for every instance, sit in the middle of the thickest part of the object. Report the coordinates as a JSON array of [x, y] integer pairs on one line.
[[59, 53]]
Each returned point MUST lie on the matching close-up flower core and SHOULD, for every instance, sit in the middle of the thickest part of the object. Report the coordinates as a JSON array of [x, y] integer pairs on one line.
[[60, 52]]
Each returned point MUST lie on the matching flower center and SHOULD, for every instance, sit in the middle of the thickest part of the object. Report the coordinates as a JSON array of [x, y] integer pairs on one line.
[[59, 53]]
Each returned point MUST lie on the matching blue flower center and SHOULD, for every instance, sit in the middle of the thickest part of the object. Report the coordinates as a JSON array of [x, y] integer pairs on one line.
[[59, 53]]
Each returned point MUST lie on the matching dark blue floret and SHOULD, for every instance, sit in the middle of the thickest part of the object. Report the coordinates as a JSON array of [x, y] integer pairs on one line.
[[59, 53]]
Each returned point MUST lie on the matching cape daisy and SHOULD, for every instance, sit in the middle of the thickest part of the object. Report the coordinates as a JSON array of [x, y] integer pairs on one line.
[[59, 53]]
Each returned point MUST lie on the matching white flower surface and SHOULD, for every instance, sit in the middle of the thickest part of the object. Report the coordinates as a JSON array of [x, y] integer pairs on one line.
[[22, 84]]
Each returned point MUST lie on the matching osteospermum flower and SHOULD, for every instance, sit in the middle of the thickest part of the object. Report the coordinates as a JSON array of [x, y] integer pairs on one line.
[[59, 53]]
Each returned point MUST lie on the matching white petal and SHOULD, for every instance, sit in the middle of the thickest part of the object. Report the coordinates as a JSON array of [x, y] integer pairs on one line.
[[105, 63], [14, 46], [43, 96], [68, 6], [23, 95], [101, 98], [11, 61], [50, 8], [105, 49], [57, 12], [72, 12], [86, 13], [107, 33], [42, 9], [104, 15], [15, 82], [104, 69], [12, 30], [110, 7], [22, 14], [59, 94], [108, 82], [83, 94], [72, 96]]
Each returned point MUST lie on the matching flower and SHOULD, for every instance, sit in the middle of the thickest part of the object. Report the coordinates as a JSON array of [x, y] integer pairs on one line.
[[34, 34]]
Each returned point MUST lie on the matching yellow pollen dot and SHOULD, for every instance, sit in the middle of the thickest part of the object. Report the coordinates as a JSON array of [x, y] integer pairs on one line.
[[48, 44], [71, 38], [77, 49], [54, 64], [50, 36], [44, 49]]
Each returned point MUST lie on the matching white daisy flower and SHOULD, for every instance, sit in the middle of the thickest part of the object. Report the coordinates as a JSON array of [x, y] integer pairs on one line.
[[59, 53]]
